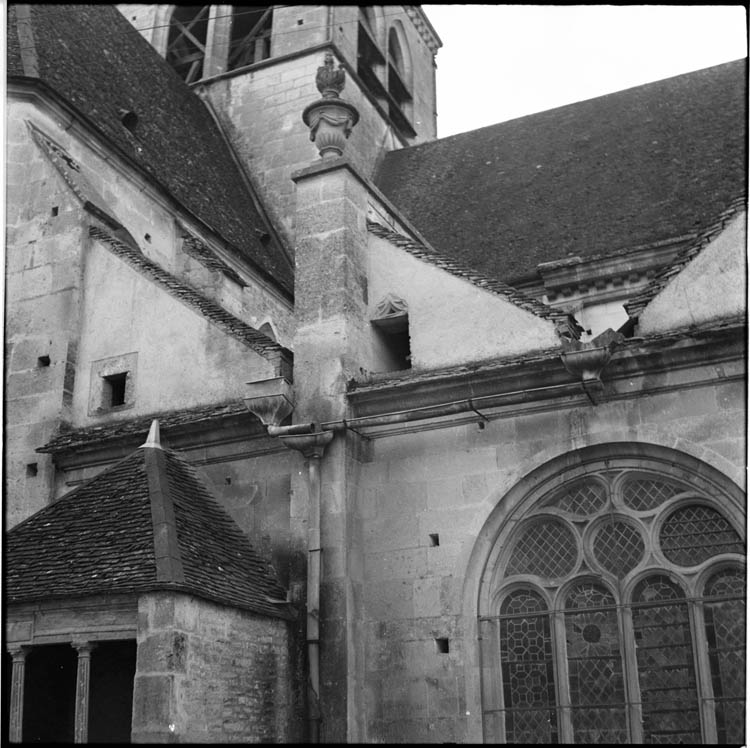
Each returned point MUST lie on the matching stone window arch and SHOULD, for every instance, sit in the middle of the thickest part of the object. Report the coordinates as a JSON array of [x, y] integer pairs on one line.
[[612, 609]]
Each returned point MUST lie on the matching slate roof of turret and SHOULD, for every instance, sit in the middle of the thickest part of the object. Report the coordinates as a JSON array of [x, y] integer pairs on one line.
[[108, 536], [589, 179], [92, 57]]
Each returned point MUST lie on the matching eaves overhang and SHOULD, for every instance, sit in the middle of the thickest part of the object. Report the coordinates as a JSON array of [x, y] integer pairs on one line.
[[180, 430], [637, 367]]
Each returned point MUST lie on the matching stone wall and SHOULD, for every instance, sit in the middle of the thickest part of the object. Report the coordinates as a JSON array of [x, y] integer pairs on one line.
[[423, 499], [47, 354], [209, 673]]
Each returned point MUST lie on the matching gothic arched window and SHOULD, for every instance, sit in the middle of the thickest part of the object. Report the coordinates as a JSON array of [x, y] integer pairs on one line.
[[617, 615]]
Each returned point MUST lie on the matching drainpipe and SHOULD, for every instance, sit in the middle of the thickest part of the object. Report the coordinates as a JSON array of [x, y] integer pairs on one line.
[[312, 446]]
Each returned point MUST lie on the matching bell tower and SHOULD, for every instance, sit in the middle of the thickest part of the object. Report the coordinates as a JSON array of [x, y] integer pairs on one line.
[[255, 66]]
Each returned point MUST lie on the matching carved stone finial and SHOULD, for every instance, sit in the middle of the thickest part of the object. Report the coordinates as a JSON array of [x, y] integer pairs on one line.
[[330, 118], [330, 82]]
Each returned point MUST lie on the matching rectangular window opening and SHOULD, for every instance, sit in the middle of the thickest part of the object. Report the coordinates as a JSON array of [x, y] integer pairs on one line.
[[55, 210], [32, 469], [42, 361], [434, 539], [114, 390], [443, 645]]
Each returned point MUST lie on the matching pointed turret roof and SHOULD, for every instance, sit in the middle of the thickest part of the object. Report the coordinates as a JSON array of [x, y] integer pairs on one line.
[[146, 523]]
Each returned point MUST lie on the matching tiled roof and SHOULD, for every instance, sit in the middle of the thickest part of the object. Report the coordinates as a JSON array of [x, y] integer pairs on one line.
[[67, 440], [92, 57], [637, 304], [593, 178], [199, 251], [104, 538], [563, 320], [216, 314]]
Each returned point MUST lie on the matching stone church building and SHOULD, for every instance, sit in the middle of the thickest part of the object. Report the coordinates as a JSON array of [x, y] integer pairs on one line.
[[321, 428]]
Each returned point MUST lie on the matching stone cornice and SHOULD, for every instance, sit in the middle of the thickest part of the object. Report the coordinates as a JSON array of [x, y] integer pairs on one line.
[[424, 27], [638, 367]]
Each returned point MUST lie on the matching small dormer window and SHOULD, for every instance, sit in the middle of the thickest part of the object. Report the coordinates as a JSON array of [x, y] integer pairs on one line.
[[390, 323], [112, 385], [113, 391]]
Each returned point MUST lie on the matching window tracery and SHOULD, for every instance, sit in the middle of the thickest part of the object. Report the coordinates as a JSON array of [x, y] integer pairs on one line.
[[620, 596]]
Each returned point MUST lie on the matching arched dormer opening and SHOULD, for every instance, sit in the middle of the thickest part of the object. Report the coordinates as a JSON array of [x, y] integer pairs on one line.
[[399, 76], [392, 343]]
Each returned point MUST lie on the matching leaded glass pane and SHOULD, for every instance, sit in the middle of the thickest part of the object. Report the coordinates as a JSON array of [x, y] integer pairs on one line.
[[618, 547], [546, 548], [582, 499], [695, 533], [643, 494], [597, 691], [725, 634], [664, 654], [527, 669]]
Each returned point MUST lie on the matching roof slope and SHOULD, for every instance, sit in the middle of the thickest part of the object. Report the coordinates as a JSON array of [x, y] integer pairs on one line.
[[213, 312], [107, 536], [592, 178], [639, 302], [92, 57], [564, 322]]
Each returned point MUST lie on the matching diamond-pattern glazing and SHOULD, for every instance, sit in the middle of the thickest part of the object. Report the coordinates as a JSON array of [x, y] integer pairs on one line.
[[643, 494], [527, 669], [595, 677], [618, 547], [695, 533], [546, 548], [664, 654], [582, 499], [521, 699], [725, 634]]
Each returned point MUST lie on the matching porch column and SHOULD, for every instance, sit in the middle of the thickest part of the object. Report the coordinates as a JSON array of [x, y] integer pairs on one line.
[[16, 692], [82, 690]]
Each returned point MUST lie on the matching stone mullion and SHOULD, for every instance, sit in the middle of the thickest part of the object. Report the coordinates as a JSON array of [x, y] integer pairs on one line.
[[16, 693], [82, 691]]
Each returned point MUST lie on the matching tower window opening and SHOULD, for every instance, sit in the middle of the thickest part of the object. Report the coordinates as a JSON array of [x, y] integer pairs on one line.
[[114, 390], [251, 35], [398, 88], [186, 46], [370, 59]]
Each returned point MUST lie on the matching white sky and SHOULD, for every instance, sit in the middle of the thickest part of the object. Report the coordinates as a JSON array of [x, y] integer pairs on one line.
[[499, 62]]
